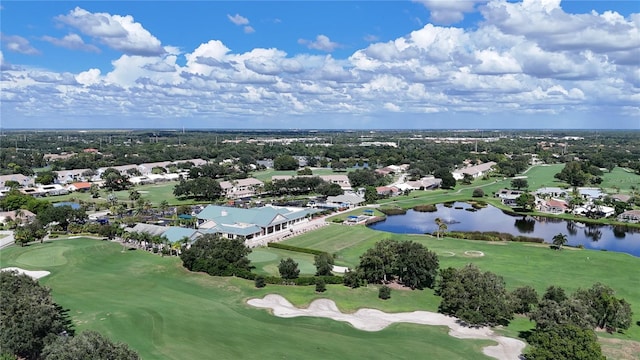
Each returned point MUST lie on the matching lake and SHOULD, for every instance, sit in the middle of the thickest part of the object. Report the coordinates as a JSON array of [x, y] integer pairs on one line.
[[598, 237]]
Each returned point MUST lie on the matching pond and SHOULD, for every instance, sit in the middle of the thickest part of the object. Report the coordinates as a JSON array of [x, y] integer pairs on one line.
[[598, 237]]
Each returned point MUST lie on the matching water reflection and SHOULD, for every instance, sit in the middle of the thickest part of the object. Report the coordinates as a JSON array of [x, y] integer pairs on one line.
[[525, 225], [493, 219]]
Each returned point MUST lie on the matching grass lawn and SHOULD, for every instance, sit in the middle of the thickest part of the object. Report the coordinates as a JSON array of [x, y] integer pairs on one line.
[[621, 179], [164, 312], [265, 175], [542, 176], [519, 264]]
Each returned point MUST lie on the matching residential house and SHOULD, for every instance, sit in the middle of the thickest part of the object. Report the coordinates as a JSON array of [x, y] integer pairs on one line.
[[23, 216], [555, 192], [387, 191], [79, 186], [52, 190], [346, 200], [595, 211], [630, 216], [620, 197], [241, 188], [19, 178], [553, 206], [426, 183], [70, 176], [508, 197], [475, 171]]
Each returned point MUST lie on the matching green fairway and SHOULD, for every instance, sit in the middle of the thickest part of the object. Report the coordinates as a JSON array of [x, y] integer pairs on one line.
[[266, 261], [518, 263], [620, 179], [165, 312]]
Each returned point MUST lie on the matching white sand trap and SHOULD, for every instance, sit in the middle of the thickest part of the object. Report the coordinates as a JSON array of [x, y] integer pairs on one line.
[[33, 274], [376, 320], [339, 269], [474, 253]]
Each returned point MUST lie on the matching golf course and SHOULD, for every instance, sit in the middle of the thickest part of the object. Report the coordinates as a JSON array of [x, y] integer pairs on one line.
[[165, 312]]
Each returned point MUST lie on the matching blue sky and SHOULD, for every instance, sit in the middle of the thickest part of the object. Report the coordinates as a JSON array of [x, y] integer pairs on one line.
[[330, 64]]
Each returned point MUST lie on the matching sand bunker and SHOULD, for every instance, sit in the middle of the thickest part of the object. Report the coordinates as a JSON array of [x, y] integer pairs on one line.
[[33, 274], [474, 253], [375, 320], [340, 269]]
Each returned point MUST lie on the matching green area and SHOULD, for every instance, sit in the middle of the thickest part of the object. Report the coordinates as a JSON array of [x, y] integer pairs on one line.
[[621, 179], [266, 175], [164, 312]]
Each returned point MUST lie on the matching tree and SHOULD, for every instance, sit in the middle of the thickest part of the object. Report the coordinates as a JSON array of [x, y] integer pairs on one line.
[[320, 285], [526, 201], [566, 342], [609, 312], [352, 279], [519, 183], [217, 256], [559, 240], [571, 311], [384, 292], [46, 177], [377, 263], [87, 345], [329, 189], [324, 264], [448, 181], [95, 191], [29, 318], [164, 205], [555, 293], [115, 181], [478, 193], [467, 179], [285, 162], [523, 299], [442, 227], [416, 266], [134, 195], [288, 269], [370, 195], [408, 262], [260, 281], [305, 171], [478, 298]]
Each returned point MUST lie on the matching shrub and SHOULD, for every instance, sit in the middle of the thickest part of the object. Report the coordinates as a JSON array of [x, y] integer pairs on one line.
[[478, 193], [393, 211], [320, 285], [384, 293], [260, 281], [352, 279], [425, 208]]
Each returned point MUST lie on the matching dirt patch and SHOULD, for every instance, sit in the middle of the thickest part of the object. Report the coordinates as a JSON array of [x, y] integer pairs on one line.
[[395, 286], [620, 349]]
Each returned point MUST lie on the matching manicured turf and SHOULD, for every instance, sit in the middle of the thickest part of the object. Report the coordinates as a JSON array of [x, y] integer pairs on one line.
[[164, 312], [519, 264], [622, 179]]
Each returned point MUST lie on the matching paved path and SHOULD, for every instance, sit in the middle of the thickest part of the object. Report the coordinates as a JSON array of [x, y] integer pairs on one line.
[[8, 240]]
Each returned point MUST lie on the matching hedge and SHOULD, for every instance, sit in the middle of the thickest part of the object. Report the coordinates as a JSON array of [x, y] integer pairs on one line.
[[492, 236], [295, 248], [303, 280]]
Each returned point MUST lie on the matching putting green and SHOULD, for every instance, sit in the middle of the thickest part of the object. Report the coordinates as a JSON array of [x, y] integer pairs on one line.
[[43, 256], [262, 255]]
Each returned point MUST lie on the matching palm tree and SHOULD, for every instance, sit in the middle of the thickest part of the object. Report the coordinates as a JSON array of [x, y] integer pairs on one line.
[[442, 227], [164, 205], [559, 240]]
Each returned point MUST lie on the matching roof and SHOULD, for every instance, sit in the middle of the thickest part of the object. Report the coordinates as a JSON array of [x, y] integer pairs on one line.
[[81, 185], [621, 197], [262, 216], [475, 169], [556, 203], [345, 198], [148, 228], [175, 233]]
